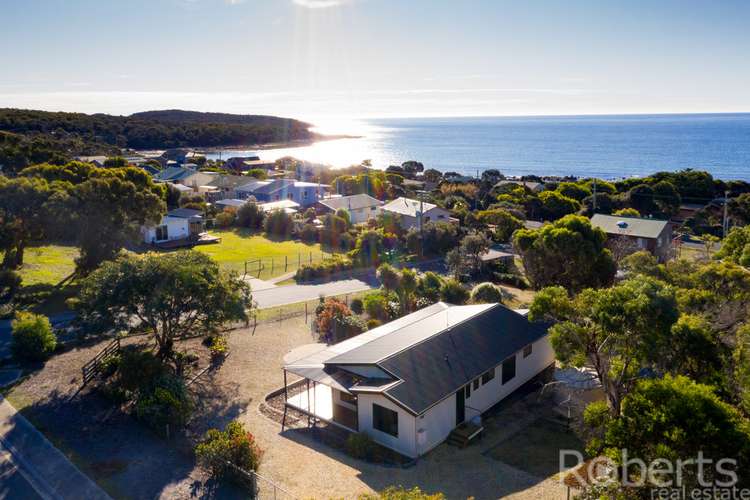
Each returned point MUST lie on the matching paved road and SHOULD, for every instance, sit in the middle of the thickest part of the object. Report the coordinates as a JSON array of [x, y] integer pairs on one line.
[[273, 296], [31, 462]]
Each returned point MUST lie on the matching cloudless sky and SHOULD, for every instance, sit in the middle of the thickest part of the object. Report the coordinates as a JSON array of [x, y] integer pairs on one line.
[[364, 58]]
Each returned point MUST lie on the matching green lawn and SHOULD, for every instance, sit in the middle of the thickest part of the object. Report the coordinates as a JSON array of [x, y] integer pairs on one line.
[[47, 265], [276, 257]]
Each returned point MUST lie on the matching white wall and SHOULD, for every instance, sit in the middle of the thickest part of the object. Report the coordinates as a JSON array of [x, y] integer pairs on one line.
[[360, 215], [436, 424], [405, 443], [177, 228]]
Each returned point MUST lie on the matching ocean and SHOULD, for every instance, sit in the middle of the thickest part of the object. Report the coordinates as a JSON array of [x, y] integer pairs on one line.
[[608, 147]]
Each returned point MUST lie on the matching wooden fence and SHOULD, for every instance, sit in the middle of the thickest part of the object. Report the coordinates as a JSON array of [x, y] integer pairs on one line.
[[93, 367]]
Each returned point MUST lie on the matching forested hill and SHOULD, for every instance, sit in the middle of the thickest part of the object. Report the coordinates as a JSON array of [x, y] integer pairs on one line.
[[34, 135]]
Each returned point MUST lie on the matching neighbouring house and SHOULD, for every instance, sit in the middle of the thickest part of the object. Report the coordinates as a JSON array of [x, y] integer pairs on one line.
[[410, 383], [229, 203], [361, 207], [288, 206], [178, 224], [415, 212], [304, 193], [637, 233], [225, 186], [95, 160], [533, 186]]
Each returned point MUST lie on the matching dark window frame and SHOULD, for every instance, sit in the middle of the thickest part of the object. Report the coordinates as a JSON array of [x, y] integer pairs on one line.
[[509, 373], [476, 383], [384, 420], [488, 376], [528, 350]]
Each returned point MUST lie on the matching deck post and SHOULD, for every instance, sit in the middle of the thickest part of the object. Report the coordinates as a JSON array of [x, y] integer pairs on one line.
[[308, 402], [286, 395]]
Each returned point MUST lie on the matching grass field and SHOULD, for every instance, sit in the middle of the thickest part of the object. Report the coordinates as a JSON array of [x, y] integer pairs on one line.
[[277, 257], [47, 265]]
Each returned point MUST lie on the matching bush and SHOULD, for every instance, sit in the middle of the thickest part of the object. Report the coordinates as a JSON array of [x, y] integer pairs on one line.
[[167, 404], [233, 445], [513, 280], [309, 233], [251, 216], [453, 292], [400, 493], [33, 338], [347, 326], [10, 282], [324, 269], [226, 218], [138, 370], [357, 306], [486, 293], [376, 305], [360, 445], [373, 323], [219, 346], [279, 223]]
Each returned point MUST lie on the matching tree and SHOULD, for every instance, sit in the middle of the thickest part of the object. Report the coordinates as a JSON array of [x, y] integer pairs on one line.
[[251, 216], [741, 358], [627, 212], [24, 216], [573, 190], [376, 305], [739, 209], [453, 292], [466, 259], [167, 295], [736, 246], [32, 337], [569, 252], [641, 198], [492, 176], [257, 173], [279, 223], [432, 175], [234, 445], [436, 238], [667, 198], [674, 419], [505, 223], [486, 293], [368, 250], [554, 205], [615, 330]]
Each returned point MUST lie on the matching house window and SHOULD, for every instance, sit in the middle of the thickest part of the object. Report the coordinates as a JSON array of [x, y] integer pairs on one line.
[[488, 375], [527, 350], [476, 384], [509, 369], [467, 391], [348, 398], [441, 216], [162, 233], [373, 208], [384, 420], [290, 196]]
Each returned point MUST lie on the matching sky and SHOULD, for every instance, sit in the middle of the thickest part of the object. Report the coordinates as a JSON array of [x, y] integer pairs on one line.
[[317, 59]]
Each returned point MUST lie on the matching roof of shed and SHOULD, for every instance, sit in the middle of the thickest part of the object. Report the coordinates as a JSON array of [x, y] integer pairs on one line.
[[629, 226]]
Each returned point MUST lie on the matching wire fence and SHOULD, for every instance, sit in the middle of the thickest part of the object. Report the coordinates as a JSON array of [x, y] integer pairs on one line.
[[259, 487], [299, 310], [267, 267]]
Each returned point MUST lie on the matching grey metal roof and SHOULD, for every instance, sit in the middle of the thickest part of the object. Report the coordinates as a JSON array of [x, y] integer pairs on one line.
[[629, 226], [184, 213], [407, 206], [353, 202], [438, 366]]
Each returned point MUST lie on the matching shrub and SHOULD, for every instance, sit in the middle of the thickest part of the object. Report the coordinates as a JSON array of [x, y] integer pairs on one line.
[[234, 445], [376, 305], [514, 280], [453, 292], [357, 306], [10, 282], [347, 326], [400, 493], [279, 223], [373, 323], [429, 286], [324, 269], [33, 338], [360, 445], [327, 313], [167, 404], [138, 370], [309, 233], [226, 218], [486, 293], [251, 216]]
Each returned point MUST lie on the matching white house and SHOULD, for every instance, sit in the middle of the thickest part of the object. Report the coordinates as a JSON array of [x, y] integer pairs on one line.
[[361, 207], [178, 224], [410, 210], [409, 383]]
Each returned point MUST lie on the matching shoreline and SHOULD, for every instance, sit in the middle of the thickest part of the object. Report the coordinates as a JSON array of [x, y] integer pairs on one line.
[[296, 143]]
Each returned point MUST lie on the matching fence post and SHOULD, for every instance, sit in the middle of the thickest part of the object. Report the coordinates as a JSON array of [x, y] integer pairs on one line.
[[305, 312], [310, 257], [286, 263]]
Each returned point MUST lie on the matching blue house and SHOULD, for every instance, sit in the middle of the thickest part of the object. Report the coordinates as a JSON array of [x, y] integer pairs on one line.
[[304, 193]]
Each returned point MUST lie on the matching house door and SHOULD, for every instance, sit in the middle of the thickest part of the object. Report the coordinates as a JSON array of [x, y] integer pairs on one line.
[[460, 406]]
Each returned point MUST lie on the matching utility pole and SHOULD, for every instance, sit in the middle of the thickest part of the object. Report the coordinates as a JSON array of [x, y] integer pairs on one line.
[[725, 222]]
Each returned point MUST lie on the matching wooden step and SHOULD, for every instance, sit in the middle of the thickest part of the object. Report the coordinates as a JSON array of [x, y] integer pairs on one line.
[[462, 435]]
